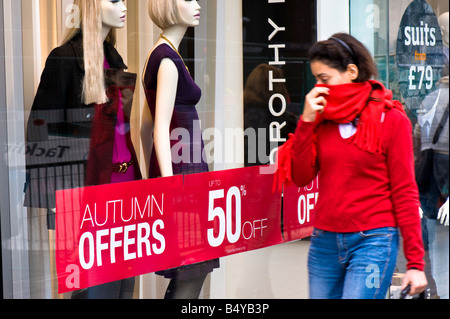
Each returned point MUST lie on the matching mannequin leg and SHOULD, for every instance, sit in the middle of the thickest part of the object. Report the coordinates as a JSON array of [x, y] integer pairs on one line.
[[185, 289], [54, 284]]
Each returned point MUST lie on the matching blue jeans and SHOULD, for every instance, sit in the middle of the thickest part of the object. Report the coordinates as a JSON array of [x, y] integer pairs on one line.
[[352, 265]]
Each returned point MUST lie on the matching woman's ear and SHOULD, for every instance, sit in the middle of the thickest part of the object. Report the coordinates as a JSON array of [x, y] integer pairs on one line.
[[352, 71]]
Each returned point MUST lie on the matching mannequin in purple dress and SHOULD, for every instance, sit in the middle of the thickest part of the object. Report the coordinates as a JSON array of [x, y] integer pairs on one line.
[[171, 95]]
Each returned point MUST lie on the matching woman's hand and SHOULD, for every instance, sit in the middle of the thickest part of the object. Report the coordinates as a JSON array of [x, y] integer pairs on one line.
[[314, 102], [416, 279]]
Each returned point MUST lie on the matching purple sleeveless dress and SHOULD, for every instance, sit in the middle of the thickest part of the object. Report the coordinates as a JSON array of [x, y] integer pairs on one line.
[[188, 158]]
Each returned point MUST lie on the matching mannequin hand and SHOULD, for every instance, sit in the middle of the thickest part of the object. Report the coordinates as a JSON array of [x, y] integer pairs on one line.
[[416, 279], [443, 213], [420, 212]]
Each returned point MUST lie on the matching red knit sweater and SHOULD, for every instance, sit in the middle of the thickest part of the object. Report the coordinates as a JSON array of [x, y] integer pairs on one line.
[[359, 190]]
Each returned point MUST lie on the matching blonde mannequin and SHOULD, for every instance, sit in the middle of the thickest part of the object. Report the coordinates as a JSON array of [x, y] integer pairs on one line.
[[112, 15], [70, 109], [171, 97], [185, 14]]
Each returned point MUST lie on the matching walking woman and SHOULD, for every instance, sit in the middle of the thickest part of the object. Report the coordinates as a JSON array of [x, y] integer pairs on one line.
[[359, 141]]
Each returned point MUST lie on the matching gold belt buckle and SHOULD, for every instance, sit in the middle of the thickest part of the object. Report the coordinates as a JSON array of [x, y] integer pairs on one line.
[[123, 167]]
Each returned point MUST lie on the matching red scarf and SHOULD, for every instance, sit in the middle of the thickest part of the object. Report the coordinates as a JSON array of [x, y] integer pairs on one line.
[[364, 102], [367, 101]]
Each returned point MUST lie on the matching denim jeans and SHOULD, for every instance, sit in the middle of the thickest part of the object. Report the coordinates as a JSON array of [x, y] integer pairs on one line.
[[352, 265]]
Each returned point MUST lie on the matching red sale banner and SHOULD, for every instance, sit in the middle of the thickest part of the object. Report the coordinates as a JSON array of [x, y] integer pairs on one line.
[[241, 213], [299, 210], [111, 232]]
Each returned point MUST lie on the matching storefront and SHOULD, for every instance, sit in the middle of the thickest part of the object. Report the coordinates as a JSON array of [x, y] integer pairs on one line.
[[249, 58]]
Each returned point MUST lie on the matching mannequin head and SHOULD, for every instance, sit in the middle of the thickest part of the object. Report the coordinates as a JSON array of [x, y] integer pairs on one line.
[[96, 16], [165, 13], [113, 14], [443, 22]]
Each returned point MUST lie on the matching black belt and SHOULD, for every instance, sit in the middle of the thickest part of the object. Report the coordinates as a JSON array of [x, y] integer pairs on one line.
[[121, 167]]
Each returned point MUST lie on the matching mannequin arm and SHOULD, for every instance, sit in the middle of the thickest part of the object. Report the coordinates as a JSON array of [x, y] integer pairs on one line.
[[165, 101], [146, 138]]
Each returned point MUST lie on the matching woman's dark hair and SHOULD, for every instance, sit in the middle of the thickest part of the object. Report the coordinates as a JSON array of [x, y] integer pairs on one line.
[[341, 50]]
